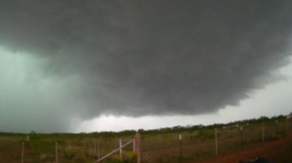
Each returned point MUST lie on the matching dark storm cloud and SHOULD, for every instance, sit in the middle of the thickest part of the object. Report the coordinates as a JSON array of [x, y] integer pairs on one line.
[[150, 57]]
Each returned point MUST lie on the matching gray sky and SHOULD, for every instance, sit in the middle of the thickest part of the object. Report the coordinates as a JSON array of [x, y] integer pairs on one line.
[[270, 101], [72, 62]]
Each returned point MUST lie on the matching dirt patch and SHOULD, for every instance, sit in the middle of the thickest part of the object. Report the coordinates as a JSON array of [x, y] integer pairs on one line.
[[278, 151]]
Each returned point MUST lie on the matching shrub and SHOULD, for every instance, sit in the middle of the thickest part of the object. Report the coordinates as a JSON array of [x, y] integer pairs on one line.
[[206, 133], [128, 157]]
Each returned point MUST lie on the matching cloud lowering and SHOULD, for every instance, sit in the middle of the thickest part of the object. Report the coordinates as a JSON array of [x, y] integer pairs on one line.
[[86, 58]]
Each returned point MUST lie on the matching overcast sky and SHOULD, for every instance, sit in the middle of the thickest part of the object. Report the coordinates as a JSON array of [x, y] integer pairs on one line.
[[86, 65]]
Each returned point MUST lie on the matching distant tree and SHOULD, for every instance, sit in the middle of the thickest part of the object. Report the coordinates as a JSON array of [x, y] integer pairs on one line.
[[34, 135], [281, 116], [263, 118]]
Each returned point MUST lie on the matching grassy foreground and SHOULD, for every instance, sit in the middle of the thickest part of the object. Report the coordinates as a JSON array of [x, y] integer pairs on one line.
[[161, 145]]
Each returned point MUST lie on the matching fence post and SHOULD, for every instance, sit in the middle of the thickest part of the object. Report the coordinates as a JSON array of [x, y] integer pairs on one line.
[[22, 152], [56, 152], [70, 147], [95, 150], [287, 125], [263, 131], [241, 138], [121, 151], [137, 147], [216, 142], [134, 145], [180, 147], [98, 150], [277, 127]]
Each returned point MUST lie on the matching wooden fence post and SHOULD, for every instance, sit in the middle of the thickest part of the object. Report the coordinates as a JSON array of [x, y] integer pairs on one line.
[[263, 132], [121, 151], [98, 150], [241, 137], [70, 147], [22, 152], [287, 125], [95, 150], [137, 147], [277, 127], [134, 148], [180, 148], [56, 152], [216, 142]]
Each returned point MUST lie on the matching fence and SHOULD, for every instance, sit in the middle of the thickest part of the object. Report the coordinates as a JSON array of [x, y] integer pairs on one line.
[[13, 148], [120, 149], [184, 147], [201, 144]]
